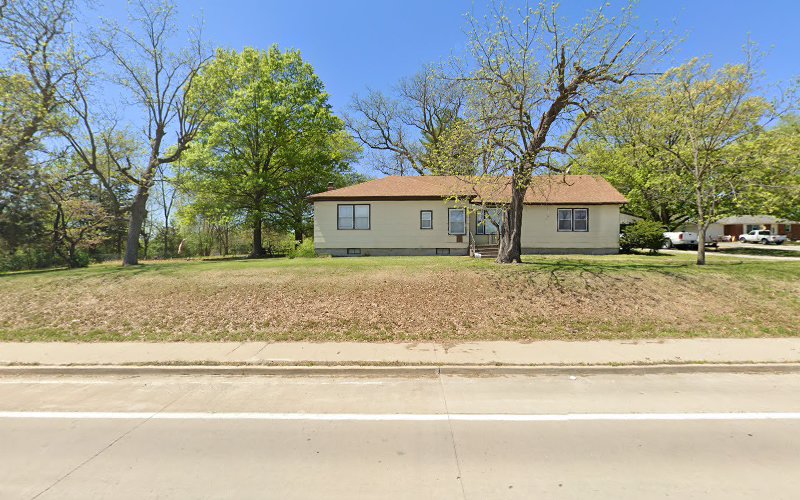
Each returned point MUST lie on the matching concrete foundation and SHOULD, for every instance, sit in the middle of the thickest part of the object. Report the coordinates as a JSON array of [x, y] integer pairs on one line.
[[570, 251], [383, 252]]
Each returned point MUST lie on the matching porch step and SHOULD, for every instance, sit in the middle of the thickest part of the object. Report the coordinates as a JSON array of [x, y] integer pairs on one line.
[[487, 251]]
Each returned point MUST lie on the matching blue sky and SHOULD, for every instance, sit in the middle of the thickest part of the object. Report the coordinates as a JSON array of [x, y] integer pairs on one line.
[[358, 43]]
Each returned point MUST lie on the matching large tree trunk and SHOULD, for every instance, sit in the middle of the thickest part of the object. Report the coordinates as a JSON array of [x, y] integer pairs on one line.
[[701, 244], [701, 228], [511, 235], [258, 245], [73, 257], [298, 235], [138, 213]]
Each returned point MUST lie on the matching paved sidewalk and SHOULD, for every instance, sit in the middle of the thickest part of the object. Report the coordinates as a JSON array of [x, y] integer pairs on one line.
[[773, 350]]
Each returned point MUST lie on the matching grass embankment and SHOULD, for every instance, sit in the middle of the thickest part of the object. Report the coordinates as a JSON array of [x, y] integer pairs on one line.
[[447, 299]]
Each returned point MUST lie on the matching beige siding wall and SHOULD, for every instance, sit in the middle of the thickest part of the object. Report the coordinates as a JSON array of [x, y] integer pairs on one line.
[[540, 228], [393, 224]]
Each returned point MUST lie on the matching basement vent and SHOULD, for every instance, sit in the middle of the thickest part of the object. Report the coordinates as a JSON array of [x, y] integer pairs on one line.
[[353, 251], [442, 251]]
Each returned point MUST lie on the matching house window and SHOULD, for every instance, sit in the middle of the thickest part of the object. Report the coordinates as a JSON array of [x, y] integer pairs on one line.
[[426, 219], [573, 219], [353, 251], [442, 251], [488, 221], [580, 219], [456, 221], [353, 217]]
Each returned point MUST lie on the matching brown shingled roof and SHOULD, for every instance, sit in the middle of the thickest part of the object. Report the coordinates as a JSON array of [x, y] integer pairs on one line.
[[545, 190]]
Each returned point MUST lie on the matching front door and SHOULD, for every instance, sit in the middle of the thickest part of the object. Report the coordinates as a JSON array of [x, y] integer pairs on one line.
[[488, 223]]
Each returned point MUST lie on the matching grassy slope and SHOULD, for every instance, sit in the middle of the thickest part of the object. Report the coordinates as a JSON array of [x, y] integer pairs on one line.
[[405, 298]]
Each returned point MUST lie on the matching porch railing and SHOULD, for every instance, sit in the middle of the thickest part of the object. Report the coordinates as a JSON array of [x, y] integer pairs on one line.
[[472, 244], [486, 239]]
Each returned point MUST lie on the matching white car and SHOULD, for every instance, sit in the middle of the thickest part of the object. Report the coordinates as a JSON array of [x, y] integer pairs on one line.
[[763, 236], [680, 239]]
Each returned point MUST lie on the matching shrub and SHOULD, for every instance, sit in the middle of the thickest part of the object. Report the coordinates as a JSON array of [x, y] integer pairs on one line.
[[29, 258], [304, 249], [643, 234], [81, 259]]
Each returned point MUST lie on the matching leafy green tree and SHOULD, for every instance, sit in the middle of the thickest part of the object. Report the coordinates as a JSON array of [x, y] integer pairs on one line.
[[314, 165], [79, 220], [770, 165], [709, 112], [691, 145], [270, 139], [35, 35], [24, 216], [623, 146]]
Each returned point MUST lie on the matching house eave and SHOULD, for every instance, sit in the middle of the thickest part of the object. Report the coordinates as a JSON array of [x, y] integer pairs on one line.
[[442, 198]]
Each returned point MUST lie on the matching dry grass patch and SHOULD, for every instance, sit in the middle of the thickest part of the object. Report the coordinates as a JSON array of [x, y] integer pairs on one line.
[[404, 299]]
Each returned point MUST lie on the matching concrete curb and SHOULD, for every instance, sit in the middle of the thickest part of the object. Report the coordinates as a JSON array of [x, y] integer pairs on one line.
[[401, 371]]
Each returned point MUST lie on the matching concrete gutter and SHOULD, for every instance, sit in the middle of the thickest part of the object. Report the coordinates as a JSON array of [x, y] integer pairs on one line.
[[398, 370], [403, 359]]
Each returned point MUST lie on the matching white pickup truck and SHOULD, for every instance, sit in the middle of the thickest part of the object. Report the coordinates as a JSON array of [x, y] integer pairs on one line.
[[680, 239], [763, 236]]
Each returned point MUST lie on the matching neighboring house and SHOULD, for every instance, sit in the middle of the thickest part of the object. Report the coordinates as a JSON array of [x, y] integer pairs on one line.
[[447, 215], [627, 219], [729, 228], [734, 226]]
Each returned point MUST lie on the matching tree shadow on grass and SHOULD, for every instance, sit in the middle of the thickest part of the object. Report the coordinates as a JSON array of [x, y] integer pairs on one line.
[[29, 272], [591, 275]]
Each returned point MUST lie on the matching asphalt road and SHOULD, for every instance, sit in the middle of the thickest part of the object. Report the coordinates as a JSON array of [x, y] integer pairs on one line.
[[654, 436]]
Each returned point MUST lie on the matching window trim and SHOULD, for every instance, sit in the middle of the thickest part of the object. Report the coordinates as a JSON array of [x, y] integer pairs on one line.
[[420, 220], [462, 210], [354, 205], [558, 220], [571, 220], [587, 221]]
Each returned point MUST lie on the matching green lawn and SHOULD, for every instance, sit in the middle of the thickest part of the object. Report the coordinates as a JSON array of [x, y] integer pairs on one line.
[[448, 299]]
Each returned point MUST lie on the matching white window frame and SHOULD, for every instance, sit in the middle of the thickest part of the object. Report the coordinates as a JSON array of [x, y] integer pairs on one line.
[[353, 217], [422, 219], [450, 221], [585, 220], [571, 220]]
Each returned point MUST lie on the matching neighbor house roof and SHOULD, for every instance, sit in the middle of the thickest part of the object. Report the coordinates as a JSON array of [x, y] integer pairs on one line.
[[544, 190], [754, 219]]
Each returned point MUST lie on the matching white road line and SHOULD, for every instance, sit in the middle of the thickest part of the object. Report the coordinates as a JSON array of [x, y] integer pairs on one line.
[[55, 382], [399, 417]]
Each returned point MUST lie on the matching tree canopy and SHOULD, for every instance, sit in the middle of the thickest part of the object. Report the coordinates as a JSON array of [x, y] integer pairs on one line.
[[270, 140], [682, 145]]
